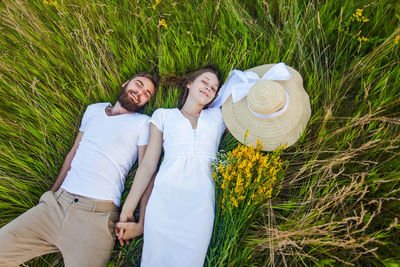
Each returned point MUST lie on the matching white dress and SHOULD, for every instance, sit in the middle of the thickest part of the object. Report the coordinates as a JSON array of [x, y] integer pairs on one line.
[[180, 213]]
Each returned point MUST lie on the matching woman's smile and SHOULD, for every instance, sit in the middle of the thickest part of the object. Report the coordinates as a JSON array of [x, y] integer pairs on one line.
[[205, 94]]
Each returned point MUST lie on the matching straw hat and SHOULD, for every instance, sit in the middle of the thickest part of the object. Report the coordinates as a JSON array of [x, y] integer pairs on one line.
[[276, 112]]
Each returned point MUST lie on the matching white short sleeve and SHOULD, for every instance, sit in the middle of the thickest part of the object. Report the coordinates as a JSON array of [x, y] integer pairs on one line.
[[222, 126], [143, 137], [158, 119], [85, 119], [217, 115]]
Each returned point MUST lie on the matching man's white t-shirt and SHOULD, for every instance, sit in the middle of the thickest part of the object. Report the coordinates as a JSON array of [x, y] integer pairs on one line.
[[106, 153]]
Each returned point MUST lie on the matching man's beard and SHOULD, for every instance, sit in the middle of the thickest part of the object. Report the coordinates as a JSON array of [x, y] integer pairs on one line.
[[127, 102]]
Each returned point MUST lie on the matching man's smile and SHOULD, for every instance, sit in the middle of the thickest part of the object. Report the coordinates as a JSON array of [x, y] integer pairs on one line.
[[134, 96]]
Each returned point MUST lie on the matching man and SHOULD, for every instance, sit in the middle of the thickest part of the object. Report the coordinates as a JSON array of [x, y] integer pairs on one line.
[[78, 215]]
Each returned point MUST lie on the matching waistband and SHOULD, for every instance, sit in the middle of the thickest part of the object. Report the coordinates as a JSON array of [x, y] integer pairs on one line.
[[86, 203], [191, 149]]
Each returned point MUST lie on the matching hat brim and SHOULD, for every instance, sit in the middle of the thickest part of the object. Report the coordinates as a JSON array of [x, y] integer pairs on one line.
[[272, 132]]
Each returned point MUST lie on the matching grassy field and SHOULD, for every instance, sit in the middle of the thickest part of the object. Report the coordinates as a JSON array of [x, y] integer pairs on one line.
[[339, 204]]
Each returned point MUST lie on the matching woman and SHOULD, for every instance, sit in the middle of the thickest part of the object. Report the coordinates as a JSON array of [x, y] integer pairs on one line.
[[180, 212]]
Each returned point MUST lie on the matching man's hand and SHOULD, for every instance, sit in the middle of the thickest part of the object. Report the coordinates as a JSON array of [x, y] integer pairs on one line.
[[130, 231], [119, 232]]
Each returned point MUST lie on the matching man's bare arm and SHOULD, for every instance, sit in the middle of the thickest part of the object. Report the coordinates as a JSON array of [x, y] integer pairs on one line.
[[67, 163]]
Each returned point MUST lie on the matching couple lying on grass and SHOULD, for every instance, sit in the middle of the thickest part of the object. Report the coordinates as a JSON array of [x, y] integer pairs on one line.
[[79, 216]]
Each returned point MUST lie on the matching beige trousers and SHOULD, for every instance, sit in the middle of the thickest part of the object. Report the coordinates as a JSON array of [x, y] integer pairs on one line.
[[81, 228]]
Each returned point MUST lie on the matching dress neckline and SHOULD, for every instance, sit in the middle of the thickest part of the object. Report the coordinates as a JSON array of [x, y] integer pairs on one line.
[[188, 121]]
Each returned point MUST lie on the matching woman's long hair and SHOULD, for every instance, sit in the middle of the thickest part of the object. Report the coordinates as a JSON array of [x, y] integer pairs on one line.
[[181, 82]]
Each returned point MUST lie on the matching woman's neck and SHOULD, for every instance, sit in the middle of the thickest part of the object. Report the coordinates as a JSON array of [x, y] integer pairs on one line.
[[192, 108]]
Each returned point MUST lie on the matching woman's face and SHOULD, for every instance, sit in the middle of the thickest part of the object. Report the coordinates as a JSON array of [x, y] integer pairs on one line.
[[204, 88]]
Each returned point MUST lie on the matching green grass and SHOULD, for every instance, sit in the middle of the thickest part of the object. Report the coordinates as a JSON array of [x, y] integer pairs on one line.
[[339, 204]]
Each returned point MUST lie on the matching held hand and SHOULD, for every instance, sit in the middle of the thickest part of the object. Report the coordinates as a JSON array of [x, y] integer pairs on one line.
[[130, 230], [120, 232]]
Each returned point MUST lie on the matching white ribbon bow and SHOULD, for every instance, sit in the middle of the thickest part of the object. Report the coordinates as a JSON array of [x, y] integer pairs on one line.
[[240, 82]]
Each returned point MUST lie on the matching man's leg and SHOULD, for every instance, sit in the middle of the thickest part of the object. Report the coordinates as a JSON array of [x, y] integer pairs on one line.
[[30, 235], [87, 235]]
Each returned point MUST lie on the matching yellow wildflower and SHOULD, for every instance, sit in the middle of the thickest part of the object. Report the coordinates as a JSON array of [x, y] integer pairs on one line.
[[235, 203], [359, 16], [220, 168], [397, 39], [156, 4], [223, 185], [163, 23], [259, 144], [50, 3], [247, 176]]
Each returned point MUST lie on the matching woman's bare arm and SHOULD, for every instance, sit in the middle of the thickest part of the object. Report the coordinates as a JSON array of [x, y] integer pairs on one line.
[[144, 173]]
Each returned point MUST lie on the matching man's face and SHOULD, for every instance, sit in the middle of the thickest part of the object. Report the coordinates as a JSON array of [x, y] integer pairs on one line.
[[136, 93]]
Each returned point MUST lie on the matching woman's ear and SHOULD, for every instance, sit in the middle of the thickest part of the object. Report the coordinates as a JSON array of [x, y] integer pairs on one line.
[[123, 85], [188, 85]]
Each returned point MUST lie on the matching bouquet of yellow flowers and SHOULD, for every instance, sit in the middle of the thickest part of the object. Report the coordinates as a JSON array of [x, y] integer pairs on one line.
[[245, 178]]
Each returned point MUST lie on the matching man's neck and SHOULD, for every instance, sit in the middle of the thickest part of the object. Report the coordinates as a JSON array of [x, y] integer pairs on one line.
[[116, 110]]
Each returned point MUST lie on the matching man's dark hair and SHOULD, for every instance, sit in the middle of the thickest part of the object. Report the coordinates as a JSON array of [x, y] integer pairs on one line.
[[153, 77]]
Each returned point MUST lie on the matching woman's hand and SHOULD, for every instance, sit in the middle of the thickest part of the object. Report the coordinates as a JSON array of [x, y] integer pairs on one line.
[[119, 232], [129, 230]]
